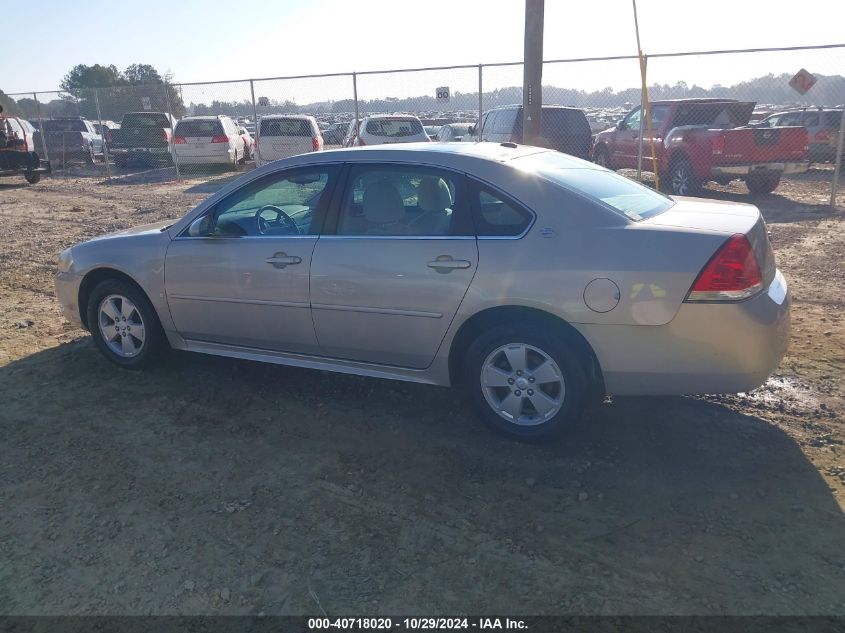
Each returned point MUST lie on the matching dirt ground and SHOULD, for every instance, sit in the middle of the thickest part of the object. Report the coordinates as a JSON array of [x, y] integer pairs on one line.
[[211, 485]]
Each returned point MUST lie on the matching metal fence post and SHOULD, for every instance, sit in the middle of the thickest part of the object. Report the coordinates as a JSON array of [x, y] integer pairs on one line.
[[834, 185], [172, 130], [102, 129], [41, 127], [480, 104], [642, 114], [355, 97], [254, 109]]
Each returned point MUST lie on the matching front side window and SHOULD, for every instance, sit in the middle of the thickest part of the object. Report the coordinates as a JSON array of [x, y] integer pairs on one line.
[[279, 205], [632, 121], [412, 201], [505, 121]]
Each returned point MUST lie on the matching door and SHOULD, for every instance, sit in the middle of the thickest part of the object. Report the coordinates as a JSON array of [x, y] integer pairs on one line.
[[626, 140], [395, 264], [239, 274]]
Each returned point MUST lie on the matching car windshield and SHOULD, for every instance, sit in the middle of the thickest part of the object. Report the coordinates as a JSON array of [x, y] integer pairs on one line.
[[142, 119], [393, 128], [64, 125], [285, 127], [627, 197]]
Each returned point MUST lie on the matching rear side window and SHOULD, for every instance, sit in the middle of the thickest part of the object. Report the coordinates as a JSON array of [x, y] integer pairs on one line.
[[495, 215], [811, 119], [559, 121], [199, 127], [285, 127], [832, 119], [394, 128], [141, 119]]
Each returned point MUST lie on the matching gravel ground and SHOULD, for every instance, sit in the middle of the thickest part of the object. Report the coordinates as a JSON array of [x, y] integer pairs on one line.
[[211, 485]]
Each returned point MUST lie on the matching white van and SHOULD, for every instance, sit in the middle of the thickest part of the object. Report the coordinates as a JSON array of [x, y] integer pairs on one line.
[[282, 135], [207, 140]]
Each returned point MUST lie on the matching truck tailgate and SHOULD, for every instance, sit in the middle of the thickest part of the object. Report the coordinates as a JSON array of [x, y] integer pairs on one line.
[[763, 145]]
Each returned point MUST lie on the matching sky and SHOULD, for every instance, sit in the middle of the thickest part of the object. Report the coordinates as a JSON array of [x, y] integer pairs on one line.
[[213, 40]]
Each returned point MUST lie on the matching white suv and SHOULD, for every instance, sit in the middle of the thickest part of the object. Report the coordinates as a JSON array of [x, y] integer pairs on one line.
[[385, 128], [207, 140], [282, 135]]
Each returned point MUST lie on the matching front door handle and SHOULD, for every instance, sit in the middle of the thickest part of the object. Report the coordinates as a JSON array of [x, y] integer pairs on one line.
[[280, 260], [445, 264]]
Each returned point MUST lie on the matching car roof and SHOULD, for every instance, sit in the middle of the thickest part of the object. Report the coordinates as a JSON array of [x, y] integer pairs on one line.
[[304, 117], [426, 152], [391, 116]]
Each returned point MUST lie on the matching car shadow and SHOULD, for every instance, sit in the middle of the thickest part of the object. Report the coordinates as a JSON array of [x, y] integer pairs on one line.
[[213, 466]]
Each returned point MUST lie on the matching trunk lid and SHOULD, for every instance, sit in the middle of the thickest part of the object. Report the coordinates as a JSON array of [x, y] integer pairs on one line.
[[723, 218]]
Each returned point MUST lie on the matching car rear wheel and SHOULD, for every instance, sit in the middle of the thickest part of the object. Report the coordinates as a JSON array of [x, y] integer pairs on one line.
[[124, 324], [524, 382], [682, 180], [762, 183], [32, 178]]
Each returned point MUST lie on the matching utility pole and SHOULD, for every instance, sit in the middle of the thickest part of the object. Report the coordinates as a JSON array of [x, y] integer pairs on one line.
[[532, 81]]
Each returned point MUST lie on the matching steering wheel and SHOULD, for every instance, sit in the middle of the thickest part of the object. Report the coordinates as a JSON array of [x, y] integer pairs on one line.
[[281, 219]]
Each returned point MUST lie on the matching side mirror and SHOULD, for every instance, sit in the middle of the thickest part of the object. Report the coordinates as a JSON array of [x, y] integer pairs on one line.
[[201, 227], [471, 129], [621, 125]]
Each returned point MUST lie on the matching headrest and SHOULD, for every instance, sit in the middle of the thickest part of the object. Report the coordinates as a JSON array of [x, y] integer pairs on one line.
[[433, 195], [383, 203]]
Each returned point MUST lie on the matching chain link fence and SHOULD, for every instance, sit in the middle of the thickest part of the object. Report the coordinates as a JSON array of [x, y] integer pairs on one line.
[[688, 145]]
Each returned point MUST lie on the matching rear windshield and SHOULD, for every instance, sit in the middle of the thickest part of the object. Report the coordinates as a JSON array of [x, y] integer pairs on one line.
[[394, 128], [64, 125], [199, 127], [285, 127], [143, 119], [832, 119], [627, 197], [560, 121]]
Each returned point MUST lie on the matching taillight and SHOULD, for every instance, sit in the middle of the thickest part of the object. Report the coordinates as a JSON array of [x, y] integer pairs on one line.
[[732, 274], [179, 140], [717, 144], [824, 135], [220, 138], [108, 136], [82, 139], [315, 143], [359, 141], [165, 135]]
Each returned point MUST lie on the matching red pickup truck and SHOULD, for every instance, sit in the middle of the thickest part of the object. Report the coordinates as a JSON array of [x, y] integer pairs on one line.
[[698, 140]]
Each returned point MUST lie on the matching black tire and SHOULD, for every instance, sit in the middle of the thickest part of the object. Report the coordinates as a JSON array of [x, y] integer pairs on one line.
[[553, 346], [603, 157], [91, 157], [760, 184], [681, 180], [154, 340], [32, 178]]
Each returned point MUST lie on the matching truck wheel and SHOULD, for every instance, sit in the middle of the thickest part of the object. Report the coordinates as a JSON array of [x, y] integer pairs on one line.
[[91, 158], [759, 184], [602, 157], [682, 180], [32, 178]]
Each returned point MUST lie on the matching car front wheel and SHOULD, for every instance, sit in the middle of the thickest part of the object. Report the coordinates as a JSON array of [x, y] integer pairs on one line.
[[526, 384], [124, 325]]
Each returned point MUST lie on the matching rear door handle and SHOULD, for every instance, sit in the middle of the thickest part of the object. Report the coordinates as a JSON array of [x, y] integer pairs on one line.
[[280, 260], [445, 264]]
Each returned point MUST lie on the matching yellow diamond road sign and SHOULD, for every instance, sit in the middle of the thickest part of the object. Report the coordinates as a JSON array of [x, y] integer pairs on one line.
[[802, 81]]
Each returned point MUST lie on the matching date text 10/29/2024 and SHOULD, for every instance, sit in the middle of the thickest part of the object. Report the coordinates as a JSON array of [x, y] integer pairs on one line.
[[417, 624]]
